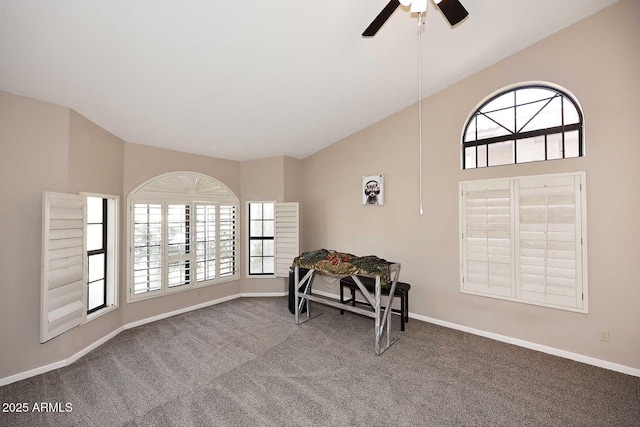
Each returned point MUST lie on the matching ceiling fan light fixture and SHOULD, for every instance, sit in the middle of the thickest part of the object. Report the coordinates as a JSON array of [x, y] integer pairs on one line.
[[453, 10], [419, 6]]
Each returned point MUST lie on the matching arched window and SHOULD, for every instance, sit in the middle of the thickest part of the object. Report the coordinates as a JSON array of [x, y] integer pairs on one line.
[[182, 234], [524, 124]]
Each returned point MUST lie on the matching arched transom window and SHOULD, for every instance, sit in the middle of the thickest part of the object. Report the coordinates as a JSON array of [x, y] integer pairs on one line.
[[183, 234], [523, 124]]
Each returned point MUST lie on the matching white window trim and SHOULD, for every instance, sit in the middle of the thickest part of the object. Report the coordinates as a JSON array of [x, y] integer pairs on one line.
[[515, 288], [247, 256], [515, 86], [69, 302], [113, 241], [194, 284], [279, 256], [149, 192]]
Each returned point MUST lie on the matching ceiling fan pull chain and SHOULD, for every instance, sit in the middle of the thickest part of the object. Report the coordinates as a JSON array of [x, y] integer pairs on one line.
[[420, 22]]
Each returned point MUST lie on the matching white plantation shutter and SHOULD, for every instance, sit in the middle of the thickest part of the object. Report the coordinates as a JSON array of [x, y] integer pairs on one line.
[[524, 239], [183, 233], [179, 251], [147, 254], [63, 292], [228, 240], [205, 242], [487, 237], [549, 240], [286, 237]]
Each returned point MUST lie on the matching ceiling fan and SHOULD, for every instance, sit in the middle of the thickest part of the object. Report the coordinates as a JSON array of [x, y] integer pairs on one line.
[[451, 9]]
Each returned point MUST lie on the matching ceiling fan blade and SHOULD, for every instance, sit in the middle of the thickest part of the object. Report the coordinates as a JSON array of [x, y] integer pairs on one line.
[[382, 17], [453, 10]]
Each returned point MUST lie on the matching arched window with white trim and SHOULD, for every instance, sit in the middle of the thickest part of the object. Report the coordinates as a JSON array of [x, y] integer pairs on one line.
[[528, 123], [183, 233]]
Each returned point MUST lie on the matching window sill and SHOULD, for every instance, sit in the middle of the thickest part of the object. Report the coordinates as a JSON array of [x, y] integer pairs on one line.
[[160, 293], [260, 276], [582, 310], [100, 313]]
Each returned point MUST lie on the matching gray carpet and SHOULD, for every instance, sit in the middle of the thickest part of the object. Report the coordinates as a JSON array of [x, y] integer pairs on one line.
[[245, 363]]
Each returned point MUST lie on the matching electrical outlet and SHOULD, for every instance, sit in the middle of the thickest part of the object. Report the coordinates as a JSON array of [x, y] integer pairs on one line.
[[604, 336]]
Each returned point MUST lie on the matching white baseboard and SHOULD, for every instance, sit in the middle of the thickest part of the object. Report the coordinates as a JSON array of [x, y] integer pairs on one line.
[[180, 311], [515, 341], [93, 346], [68, 361], [521, 343], [32, 372], [532, 346], [266, 294]]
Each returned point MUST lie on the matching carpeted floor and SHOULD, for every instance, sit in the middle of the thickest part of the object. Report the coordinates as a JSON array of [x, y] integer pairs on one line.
[[245, 363]]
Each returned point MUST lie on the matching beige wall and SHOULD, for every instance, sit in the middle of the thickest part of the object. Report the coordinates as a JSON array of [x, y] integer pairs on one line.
[[293, 175], [96, 158], [597, 60], [33, 158], [262, 180]]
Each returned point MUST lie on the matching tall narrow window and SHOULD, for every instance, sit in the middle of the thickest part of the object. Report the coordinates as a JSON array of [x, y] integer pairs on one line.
[[526, 124], [96, 253], [261, 238], [273, 238]]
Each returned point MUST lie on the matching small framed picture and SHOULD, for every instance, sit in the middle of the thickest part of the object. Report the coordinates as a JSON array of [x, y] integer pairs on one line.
[[373, 190]]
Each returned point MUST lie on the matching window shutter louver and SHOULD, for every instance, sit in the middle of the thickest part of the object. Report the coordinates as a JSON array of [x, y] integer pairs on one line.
[[206, 252], [147, 247], [524, 239], [548, 249], [287, 236], [487, 236], [228, 240], [63, 276], [179, 259]]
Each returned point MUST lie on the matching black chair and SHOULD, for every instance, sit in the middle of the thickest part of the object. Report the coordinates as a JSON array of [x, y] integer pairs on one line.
[[402, 291]]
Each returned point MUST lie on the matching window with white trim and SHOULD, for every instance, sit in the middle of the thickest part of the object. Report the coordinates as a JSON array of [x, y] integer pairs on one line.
[[524, 239], [527, 123], [273, 237], [102, 249], [261, 238], [79, 271], [183, 233]]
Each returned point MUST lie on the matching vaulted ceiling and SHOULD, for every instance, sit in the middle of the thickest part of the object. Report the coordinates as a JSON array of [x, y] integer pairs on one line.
[[251, 79]]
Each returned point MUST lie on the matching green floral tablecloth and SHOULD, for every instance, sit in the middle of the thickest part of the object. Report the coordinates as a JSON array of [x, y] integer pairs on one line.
[[344, 264]]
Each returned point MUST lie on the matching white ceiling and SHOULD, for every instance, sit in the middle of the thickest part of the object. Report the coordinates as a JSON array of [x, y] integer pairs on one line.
[[251, 79]]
